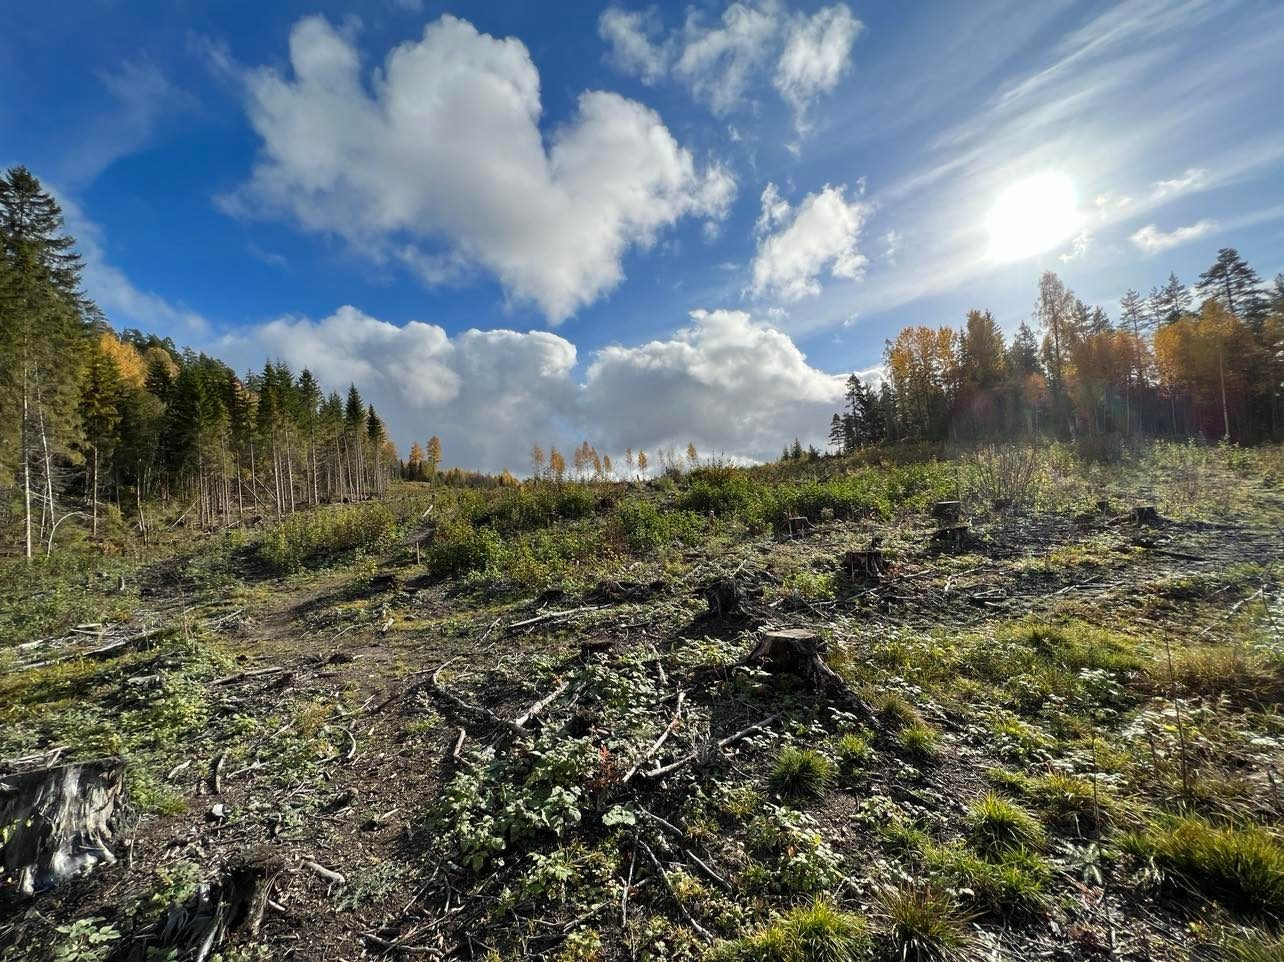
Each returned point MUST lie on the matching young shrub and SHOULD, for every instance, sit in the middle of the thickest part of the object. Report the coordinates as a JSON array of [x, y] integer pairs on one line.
[[801, 773], [818, 932], [920, 741], [458, 549], [926, 925], [996, 825]]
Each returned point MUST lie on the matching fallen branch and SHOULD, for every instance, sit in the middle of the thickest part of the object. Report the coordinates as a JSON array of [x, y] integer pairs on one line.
[[704, 933], [320, 871], [553, 615], [539, 706], [655, 747], [729, 740]]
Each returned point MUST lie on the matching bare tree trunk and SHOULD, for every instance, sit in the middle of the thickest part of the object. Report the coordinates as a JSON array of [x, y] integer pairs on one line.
[[93, 510], [26, 459], [50, 505]]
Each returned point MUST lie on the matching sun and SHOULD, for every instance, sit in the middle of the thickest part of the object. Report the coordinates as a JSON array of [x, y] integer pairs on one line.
[[1032, 216]]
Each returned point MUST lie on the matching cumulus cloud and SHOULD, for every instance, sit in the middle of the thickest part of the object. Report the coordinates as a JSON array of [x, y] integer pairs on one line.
[[1151, 240], [439, 161], [726, 382], [1193, 178], [817, 53], [629, 36], [821, 234], [720, 61]]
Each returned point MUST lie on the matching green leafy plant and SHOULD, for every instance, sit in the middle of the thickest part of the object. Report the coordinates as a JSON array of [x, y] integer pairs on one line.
[[85, 940]]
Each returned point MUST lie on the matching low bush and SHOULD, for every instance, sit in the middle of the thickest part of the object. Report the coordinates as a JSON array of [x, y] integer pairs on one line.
[[310, 535], [459, 548]]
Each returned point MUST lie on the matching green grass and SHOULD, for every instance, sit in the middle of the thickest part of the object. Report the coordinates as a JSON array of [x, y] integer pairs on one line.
[[1242, 868], [801, 773], [926, 925], [996, 825], [853, 750], [920, 741], [895, 710], [817, 932]]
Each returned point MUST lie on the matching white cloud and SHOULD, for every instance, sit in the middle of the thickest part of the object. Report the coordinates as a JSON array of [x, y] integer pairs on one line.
[[1194, 177], [822, 233], [628, 34], [817, 53], [441, 154], [719, 62], [723, 61], [1151, 240], [725, 382], [774, 209]]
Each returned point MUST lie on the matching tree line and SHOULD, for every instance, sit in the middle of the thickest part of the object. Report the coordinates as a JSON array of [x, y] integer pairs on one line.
[[1166, 367], [97, 426]]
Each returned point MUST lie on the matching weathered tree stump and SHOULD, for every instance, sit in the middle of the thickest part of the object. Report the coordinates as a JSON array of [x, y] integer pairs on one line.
[[955, 538], [865, 563], [59, 822], [947, 510], [723, 597], [796, 651], [216, 913], [1145, 514], [797, 525]]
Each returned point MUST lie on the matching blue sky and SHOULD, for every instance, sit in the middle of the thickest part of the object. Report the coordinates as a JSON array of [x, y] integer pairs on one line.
[[640, 224]]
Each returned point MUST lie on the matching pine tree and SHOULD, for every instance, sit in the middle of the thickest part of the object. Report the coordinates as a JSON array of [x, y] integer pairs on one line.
[[1235, 284], [432, 455], [100, 399], [837, 434], [1170, 302]]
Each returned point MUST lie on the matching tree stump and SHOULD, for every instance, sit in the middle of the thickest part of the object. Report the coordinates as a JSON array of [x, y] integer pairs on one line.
[[797, 525], [723, 597], [216, 912], [796, 651], [1145, 514], [947, 510], [59, 822], [955, 538], [865, 563]]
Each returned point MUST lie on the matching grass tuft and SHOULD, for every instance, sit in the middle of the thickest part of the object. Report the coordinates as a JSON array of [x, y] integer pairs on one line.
[[801, 773], [818, 932], [1243, 868], [926, 925], [997, 825], [920, 741]]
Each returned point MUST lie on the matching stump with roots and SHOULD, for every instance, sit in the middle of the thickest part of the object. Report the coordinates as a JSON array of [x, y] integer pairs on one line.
[[868, 564], [232, 905], [723, 597], [1145, 514], [956, 539], [58, 822], [797, 651], [947, 510]]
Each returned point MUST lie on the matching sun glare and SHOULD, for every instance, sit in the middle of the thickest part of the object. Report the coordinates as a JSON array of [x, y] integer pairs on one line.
[[1032, 216]]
